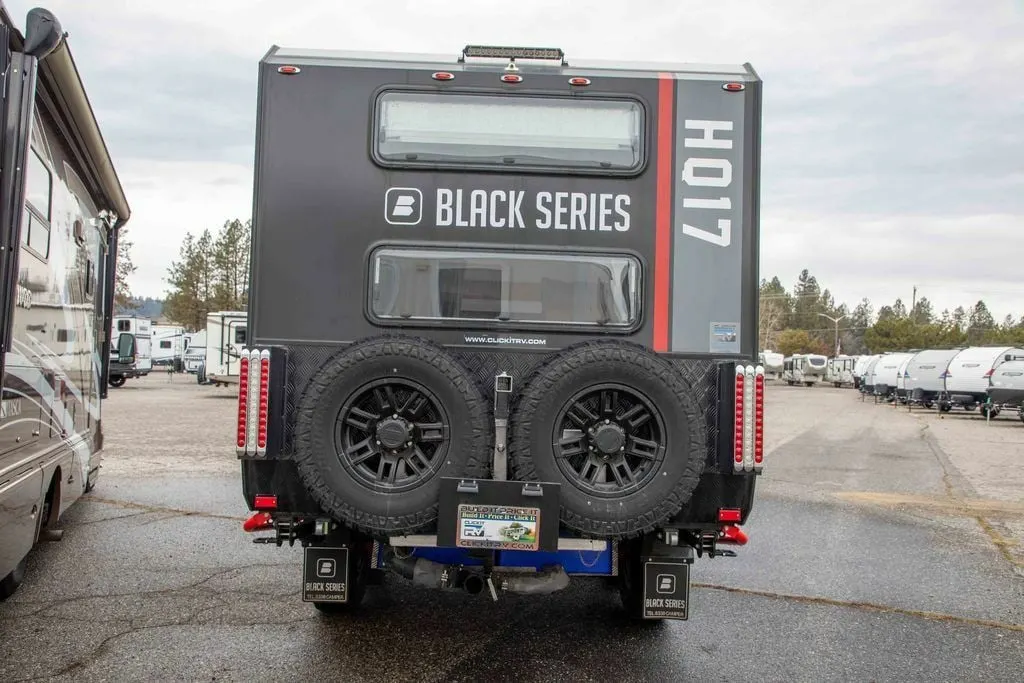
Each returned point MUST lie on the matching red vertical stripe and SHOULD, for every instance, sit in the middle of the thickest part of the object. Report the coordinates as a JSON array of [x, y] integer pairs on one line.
[[663, 212]]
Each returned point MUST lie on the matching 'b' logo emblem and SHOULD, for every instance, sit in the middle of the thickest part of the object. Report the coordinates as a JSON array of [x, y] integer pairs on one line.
[[403, 206]]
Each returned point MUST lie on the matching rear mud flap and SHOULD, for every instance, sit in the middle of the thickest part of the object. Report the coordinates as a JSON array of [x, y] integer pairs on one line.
[[325, 574], [666, 589]]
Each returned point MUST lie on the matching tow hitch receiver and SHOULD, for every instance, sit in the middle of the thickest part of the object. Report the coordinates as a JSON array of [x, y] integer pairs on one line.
[[325, 574]]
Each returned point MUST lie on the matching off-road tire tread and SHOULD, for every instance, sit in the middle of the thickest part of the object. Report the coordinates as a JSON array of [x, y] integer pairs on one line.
[[628, 355], [474, 446]]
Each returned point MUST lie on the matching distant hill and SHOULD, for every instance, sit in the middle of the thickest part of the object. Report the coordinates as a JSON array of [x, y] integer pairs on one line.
[[146, 307]]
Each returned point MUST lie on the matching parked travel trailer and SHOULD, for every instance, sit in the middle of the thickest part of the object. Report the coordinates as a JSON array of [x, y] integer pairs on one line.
[[868, 383], [169, 346], [195, 354], [1006, 386], [924, 375], [966, 380], [225, 339], [512, 341], [839, 370], [772, 363], [860, 368], [61, 208], [131, 353], [806, 368], [887, 373]]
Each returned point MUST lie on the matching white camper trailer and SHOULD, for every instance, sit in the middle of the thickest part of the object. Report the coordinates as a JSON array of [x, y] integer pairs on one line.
[[923, 375], [1006, 386], [225, 338], [867, 385], [966, 380], [887, 373], [804, 368], [772, 363], [135, 334], [839, 370], [169, 346], [860, 369]]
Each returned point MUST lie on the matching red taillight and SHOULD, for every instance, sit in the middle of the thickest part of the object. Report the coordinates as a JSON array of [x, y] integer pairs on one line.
[[442, 76], [738, 420], [733, 87], [729, 515], [261, 430], [579, 80], [288, 70], [262, 501], [512, 78], [243, 403], [758, 418]]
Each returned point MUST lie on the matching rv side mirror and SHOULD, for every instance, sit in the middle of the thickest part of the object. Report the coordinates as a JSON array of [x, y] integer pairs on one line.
[[126, 348], [43, 33]]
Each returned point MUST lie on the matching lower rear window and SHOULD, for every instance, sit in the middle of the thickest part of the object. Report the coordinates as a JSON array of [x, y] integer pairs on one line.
[[516, 287]]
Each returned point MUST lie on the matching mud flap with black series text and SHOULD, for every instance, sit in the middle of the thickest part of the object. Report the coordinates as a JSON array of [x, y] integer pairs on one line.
[[325, 574], [666, 588]]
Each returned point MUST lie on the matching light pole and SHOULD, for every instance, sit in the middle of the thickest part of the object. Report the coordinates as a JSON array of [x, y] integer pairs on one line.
[[836, 321]]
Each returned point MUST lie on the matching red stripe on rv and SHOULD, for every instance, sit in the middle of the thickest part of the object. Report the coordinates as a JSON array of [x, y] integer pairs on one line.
[[663, 212]]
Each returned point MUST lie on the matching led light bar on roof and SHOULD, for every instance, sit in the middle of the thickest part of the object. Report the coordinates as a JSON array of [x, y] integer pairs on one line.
[[498, 52]]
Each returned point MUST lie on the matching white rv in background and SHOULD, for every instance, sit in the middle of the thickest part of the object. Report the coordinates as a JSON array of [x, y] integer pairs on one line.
[[131, 349], [772, 363], [839, 370], [195, 353], [966, 380], [225, 338], [887, 373], [169, 345], [804, 368], [924, 375]]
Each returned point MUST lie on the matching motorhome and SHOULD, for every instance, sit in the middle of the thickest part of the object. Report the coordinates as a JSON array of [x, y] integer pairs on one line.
[[924, 375], [805, 368], [516, 321], [839, 370], [169, 346], [61, 210], [131, 354], [966, 379], [225, 339]]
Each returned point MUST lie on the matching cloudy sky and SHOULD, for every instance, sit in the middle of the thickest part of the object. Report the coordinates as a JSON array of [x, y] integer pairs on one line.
[[893, 131]]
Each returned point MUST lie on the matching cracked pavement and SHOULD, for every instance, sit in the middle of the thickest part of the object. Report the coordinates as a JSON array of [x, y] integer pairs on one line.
[[884, 546]]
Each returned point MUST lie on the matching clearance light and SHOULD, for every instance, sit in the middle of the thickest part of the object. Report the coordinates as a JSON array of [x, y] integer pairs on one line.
[[442, 76], [733, 87], [579, 80], [288, 70], [512, 78]]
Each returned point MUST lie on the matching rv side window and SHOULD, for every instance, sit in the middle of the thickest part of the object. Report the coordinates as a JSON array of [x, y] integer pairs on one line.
[[38, 185], [124, 325], [165, 344], [509, 132], [515, 287], [239, 335]]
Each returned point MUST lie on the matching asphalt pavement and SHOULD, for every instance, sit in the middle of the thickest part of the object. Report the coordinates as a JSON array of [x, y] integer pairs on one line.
[[879, 551]]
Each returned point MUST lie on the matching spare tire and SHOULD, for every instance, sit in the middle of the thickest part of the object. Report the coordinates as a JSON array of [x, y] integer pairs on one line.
[[618, 428], [378, 427]]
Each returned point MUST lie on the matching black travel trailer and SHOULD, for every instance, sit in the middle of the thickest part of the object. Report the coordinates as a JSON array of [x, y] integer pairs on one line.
[[61, 206], [502, 320]]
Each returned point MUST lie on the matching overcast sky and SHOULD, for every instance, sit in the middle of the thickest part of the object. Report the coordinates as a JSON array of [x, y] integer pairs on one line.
[[893, 145]]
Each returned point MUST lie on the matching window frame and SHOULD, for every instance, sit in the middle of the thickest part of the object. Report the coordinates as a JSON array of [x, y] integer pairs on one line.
[[468, 324], [467, 165], [33, 215]]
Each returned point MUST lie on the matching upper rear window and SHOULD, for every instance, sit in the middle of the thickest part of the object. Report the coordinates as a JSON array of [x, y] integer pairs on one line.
[[473, 286], [509, 132]]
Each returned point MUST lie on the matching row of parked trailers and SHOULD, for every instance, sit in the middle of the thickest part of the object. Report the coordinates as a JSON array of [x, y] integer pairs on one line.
[[985, 378]]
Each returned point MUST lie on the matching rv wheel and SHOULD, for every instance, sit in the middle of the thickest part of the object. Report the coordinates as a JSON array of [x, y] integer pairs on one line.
[[115, 380], [617, 427], [381, 424]]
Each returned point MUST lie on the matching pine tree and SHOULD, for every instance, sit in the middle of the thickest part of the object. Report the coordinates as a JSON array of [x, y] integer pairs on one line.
[[123, 269]]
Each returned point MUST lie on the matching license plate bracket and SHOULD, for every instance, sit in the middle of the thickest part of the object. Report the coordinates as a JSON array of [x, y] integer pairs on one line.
[[489, 514], [666, 589], [325, 574]]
